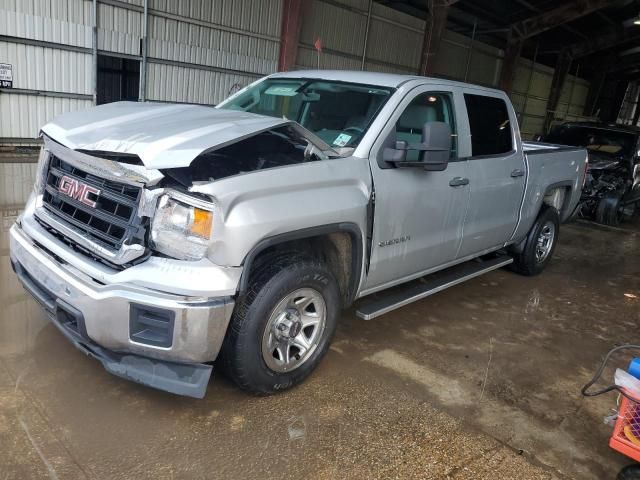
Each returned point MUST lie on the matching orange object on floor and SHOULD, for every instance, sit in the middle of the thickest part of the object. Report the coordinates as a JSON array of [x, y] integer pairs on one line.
[[626, 432]]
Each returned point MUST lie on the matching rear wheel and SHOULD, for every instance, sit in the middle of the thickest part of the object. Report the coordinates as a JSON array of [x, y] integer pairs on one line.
[[282, 327], [539, 245]]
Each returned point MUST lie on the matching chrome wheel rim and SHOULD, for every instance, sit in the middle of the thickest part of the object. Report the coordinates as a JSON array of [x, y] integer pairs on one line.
[[545, 240], [294, 330]]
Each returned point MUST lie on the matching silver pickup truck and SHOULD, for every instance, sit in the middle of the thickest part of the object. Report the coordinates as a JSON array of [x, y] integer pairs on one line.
[[162, 237]]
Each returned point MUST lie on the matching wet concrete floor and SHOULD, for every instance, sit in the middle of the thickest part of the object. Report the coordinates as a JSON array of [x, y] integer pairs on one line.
[[478, 382]]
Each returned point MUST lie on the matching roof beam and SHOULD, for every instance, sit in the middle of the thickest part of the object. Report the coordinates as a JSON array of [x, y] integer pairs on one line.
[[604, 42], [535, 9], [556, 17], [626, 63]]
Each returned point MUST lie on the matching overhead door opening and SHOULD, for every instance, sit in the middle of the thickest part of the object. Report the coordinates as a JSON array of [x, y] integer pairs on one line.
[[118, 79]]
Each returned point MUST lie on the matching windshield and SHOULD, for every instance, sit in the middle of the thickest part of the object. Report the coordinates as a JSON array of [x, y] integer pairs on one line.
[[337, 112], [598, 140]]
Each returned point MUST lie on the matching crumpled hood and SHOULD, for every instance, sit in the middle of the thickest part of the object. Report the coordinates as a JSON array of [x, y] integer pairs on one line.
[[162, 135]]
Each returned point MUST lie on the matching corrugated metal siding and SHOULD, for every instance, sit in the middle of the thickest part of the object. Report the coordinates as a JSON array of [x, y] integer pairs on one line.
[[484, 64], [69, 30], [72, 11], [44, 69], [308, 58], [389, 43], [255, 16], [192, 85], [241, 37], [119, 30], [47, 69], [182, 42], [27, 113], [394, 42], [339, 29], [531, 90], [16, 182]]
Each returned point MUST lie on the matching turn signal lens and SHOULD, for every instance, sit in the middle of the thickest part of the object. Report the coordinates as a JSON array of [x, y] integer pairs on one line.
[[202, 223]]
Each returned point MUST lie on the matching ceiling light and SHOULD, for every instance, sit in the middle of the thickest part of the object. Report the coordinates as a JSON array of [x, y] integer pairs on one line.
[[637, 21]]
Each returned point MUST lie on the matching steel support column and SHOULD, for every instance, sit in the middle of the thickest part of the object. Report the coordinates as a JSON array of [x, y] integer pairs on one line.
[[596, 85], [434, 30], [559, 76], [94, 53], [366, 36], [142, 88], [290, 33], [509, 63]]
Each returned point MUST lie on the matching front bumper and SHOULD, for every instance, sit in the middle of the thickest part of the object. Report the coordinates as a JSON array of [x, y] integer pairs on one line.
[[97, 318]]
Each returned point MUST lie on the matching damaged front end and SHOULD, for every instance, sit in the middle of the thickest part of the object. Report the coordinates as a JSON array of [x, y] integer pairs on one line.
[[609, 195]]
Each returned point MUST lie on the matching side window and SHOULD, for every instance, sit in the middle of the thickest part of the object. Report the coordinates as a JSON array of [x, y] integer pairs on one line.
[[489, 124], [426, 107]]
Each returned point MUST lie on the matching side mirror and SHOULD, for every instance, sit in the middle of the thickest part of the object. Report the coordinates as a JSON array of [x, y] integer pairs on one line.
[[434, 149], [397, 154], [436, 146]]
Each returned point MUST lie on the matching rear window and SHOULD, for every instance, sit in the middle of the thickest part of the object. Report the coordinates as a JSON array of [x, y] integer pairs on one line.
[[490, 125]]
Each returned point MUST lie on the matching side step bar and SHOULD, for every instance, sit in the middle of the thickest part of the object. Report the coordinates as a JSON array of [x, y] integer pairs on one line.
[[399, 297]]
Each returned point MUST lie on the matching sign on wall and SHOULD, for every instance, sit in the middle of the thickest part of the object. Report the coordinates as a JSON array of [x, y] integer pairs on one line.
[[6, 75]]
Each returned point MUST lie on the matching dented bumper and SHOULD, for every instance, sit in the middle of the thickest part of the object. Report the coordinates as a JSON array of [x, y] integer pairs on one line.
[[147, 336]]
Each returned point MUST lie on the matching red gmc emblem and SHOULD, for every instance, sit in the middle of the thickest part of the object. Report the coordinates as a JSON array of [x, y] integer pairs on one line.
[[77, 190]]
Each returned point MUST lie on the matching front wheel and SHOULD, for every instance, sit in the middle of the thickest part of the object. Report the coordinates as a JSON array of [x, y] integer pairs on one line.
[[539, 245], [282, 327]]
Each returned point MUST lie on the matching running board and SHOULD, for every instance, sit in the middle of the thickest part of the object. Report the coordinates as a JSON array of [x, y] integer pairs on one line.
[[430, 285]]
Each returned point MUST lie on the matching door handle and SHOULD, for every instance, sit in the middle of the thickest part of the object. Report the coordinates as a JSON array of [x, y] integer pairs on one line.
[[517, 173], [458, 182]]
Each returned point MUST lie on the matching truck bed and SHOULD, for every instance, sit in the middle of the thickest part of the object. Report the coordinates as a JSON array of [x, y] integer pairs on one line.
[[532, 148]]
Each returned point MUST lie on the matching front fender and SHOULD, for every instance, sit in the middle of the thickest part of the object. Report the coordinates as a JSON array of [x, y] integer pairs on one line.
[[267, 203]]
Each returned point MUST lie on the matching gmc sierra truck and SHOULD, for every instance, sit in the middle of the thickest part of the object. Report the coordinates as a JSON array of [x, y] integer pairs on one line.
[[160, 238]]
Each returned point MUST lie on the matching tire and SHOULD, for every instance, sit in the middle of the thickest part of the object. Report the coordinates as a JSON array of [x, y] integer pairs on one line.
[[611, 212], [630, 472], [262, 352], [577, 213], [534, 257]]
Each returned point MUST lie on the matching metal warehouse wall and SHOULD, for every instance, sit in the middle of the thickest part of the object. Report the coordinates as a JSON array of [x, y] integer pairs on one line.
[[393, 43], [49, 45], [393, 39], [199, 51]]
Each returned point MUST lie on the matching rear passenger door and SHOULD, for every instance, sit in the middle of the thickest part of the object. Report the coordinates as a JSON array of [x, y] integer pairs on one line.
[[497, 172]]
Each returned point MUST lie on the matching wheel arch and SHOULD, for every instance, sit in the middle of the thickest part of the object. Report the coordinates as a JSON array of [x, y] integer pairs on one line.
[[558, 195], [345, 259]]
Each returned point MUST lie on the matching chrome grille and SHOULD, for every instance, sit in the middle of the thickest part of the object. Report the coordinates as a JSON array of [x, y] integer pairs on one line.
[[111, 223]]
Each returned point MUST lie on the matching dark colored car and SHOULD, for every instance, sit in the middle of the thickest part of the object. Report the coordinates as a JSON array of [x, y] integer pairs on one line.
[[612, 187]]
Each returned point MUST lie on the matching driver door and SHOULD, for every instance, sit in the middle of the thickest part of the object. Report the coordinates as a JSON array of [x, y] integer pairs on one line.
[[418, 214]]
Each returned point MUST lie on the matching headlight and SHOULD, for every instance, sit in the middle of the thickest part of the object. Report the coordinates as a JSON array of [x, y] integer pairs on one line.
[[180, 229]]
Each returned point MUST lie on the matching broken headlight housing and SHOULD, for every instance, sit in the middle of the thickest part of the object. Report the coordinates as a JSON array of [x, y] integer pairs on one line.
[[182, 226]]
